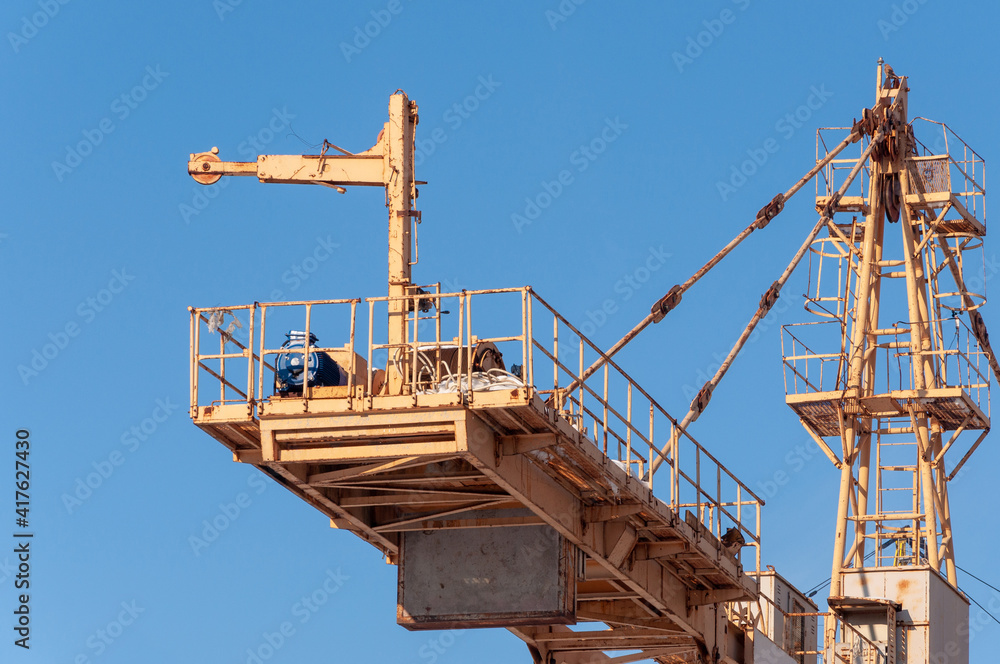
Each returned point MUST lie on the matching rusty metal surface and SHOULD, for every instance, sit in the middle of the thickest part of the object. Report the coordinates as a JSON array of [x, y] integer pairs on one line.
[[486, 577], [929, 611], [930, 174]]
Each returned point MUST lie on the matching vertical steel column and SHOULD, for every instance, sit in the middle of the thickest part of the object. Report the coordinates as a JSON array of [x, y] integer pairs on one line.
[[944, 510], [859, 336], [921, 365], [865, 446], [399, 195], [864, 476], [872, 249]]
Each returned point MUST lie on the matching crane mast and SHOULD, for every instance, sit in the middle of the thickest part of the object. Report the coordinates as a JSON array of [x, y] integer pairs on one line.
[[897, 379]]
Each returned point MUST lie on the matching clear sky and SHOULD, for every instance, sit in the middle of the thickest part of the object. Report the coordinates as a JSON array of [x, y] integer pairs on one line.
[[105, 240]]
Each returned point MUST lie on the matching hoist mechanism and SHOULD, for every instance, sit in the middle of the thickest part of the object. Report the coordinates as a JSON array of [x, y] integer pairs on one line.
[[524, 498]]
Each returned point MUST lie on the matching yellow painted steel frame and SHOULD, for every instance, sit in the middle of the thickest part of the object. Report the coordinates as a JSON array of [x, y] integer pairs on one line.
[[610, 409], [381, 464], [897, 397]]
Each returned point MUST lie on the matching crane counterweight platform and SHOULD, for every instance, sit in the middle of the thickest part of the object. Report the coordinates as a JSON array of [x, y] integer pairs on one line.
[[519, 477]]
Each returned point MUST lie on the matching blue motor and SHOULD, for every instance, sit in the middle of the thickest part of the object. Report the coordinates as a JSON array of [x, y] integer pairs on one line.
[[288, 369]]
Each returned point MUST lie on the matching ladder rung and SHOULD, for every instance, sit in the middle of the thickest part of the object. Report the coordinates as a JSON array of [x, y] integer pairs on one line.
[[888, 516]]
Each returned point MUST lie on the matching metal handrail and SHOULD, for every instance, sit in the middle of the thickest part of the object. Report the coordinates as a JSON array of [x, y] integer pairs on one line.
[[614, 401], [744, 612]]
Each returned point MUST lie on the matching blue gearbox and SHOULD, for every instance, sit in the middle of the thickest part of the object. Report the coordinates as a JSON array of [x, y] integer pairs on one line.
[[288, 369]]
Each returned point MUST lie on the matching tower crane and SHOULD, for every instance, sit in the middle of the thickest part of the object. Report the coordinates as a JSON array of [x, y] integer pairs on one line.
[[524, 498]]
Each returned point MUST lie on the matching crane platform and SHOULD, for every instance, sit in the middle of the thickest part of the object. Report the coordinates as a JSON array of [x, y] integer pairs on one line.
[[952, 407], [440, 457], [942, 204]]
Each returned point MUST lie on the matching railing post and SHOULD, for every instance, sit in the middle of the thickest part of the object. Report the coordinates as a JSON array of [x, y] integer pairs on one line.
[[195, 359], [354, 364], [371, 331], [718, 499], [605, 402], [524, 335], [305, 358], [757, 533], [651, 447], [628, 432], [263, 358], [459, 340], [581, 389], [468, 346], [739, 502], [675, 452], [555, 362], [531, 344], [251, 374], [697, 481], [437, 329], [222, 367]]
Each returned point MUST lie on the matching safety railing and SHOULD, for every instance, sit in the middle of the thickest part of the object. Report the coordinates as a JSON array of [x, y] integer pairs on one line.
[[943, 163], [806, 370], [963, 172], [469, 344], [632, 428], [832, 176], [225, 323], [788, 631], [954, 359], [842, 643]]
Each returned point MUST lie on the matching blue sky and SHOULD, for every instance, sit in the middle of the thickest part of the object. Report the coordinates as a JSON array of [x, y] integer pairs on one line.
[[106, 241]]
